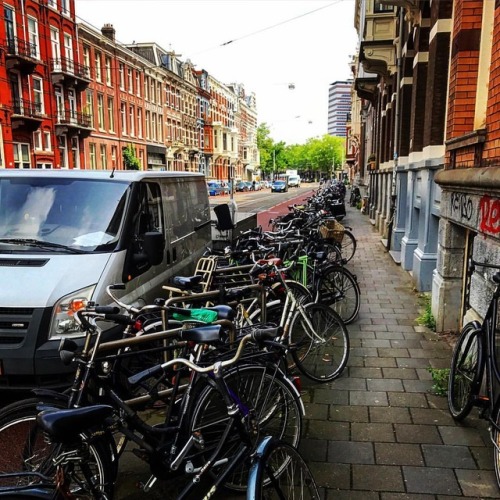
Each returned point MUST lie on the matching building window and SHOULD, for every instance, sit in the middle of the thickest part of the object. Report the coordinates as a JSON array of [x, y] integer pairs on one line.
[[160, 128], [98, 67], [44, 165], [138, 83], [123, 116], [104, 159], [132, 120], [380, 7], [21, 155], [139, 122], [46, 141], [65, 7], [109, 80], [158, 92], [111, 114], [122, 76], [100, 111], [37, 140], [130, 81], [113, 156], [38, 96], [146, 87], [75, 152], [33, 37], [152, 92], [68, 51], [92, 156], [141, 158], [53, 4], [63, 151], [89, 106], [86, 58], [153, 125], [148, 125]]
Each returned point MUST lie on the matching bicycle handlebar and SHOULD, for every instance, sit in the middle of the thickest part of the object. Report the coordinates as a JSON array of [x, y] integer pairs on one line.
[[257, 336]]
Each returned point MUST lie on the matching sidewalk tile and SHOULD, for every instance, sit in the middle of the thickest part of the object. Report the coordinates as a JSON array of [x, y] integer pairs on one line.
[[437, 481], [377, 478]]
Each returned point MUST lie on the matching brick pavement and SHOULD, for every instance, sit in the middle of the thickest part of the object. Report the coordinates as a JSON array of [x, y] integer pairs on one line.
[[379, 432]]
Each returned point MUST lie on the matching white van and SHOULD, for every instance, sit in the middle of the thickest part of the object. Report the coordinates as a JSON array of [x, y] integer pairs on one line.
[[66, 235], [294, 181]]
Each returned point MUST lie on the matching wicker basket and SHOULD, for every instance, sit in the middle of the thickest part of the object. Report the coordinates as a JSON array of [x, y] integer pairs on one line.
[[332, 230]]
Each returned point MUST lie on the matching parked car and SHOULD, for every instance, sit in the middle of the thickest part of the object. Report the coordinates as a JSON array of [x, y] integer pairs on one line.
[[217, 187], [258, 186], [294, 181], [266, 184], [243, 186], [279, 187]]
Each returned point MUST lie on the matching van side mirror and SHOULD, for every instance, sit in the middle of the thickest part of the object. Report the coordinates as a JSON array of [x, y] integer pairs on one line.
[[153, 246]]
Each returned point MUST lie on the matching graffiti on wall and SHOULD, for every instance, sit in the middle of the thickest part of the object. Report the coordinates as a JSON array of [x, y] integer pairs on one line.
[[489, 217], [461, 204]]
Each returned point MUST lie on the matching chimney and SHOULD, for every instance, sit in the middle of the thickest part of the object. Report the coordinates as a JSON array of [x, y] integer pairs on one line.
[[108, 31]]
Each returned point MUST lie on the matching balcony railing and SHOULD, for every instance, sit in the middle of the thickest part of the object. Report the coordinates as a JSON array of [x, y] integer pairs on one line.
[[27, 109], [20, 54], [63, 68], [76, 119]]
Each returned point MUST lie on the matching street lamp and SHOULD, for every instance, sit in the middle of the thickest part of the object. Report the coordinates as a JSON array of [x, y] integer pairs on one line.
[[233, 208]]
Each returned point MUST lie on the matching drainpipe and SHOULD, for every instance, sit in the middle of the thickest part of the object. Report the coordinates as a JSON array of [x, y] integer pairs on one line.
[[399, 64]]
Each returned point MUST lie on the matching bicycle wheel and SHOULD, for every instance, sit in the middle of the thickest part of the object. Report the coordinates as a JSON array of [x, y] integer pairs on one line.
[[496, 445], [338, 288], [25, 449], [319, 342], [348, 246], [466, 371], [273, 405], [279, 472]]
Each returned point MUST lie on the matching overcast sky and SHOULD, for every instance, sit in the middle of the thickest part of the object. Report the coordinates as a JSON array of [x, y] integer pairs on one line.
[[274, 43]]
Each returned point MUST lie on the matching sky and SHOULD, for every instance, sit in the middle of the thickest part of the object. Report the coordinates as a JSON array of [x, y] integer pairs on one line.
[[287, 52]]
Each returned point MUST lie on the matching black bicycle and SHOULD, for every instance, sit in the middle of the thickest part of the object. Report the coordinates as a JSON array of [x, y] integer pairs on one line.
[[475, 370]]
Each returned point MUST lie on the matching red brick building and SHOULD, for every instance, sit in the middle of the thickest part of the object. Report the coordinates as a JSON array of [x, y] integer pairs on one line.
[[42, 123]]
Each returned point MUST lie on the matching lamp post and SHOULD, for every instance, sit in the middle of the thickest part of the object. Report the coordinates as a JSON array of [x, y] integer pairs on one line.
[[233, 208]]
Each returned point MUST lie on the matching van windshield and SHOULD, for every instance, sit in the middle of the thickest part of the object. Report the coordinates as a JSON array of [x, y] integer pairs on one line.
[[54, 213]]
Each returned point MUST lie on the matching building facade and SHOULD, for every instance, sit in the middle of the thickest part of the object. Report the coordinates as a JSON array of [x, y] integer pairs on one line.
[[42, 123], [425, 122], [339, 107]]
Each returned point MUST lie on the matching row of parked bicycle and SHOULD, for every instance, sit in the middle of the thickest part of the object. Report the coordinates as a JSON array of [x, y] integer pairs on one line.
[[223, 353]]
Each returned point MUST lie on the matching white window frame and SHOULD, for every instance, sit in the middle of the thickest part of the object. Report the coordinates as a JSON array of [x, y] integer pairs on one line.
[[47, 143], [139, 122], [111, 113], [100, 111], [38, 96], [132, 120], [44, 166], [55, 44], [103, 156], [123, 117], [130, 81], [64, 7], [33, 36], [37, 140], [92, 156], [121, 71], [98, 67], [109, 80], [68, 53], [20, 149]]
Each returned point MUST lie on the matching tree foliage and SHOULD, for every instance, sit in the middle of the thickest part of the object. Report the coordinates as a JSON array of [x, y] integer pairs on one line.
[[319, 156], [131, 162]]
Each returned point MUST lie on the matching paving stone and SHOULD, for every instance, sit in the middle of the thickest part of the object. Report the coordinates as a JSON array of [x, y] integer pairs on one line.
[[385, 384], [400, 373], [417, 385], [349, 413], [355, 361], [456, 457], [358, 334], [352, 495], [405, 344], [478, 484], [368, 398], [364, 351], [460, 436], [377, 478], [361, 372], [423, 373], [431, 416], [313, 450], [380, 362], [483, 456], [390, 414], [328, 430], [393, 333], [376, 343], [437, 402], [430, 480], [316, 411], [350, 452], [411, 433], [398, 454], [412, 363], [331, 475], [372, 432], [408, 400], [405, 496], [327, 396], [351, 383]]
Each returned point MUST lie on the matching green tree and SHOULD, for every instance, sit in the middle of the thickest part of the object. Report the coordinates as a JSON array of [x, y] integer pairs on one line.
[[130, 161]]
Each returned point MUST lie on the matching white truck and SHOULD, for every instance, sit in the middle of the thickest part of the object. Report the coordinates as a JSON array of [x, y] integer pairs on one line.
[[293, 178]]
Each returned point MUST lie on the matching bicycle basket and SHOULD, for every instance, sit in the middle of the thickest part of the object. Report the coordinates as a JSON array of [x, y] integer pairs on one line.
[[332, 230]]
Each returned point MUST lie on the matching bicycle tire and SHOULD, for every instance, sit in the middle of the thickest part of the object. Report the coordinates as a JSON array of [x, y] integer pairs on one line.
[[24, 447], [276, 403], [496, 444], [348, 246], [278, 472], [338, 288], [467, 365], [321, 354]]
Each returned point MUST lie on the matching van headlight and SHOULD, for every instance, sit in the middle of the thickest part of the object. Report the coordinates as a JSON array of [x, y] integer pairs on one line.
[[63, 322]]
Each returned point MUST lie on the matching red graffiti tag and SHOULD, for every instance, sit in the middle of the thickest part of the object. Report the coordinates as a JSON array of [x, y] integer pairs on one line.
[[490, 215]]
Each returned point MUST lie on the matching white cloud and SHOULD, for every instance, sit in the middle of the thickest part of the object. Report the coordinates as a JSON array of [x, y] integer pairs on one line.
[[274, 43]]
